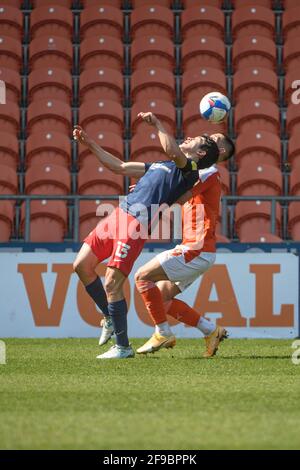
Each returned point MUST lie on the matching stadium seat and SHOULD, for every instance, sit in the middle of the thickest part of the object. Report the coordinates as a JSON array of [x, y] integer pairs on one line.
[[242, 3], [48, 221], [101, 51], [291, 23], [294, 221], [165, 112], [295, 180], [294, 150], [204, 20], [90, 3], [41, 3], [257, 180], [51, 52], [194, 124], [152, 20], [152, 83], [205, 51], [212, 3], [253, 218], [197, 82], [48, 83], [255, 83], [11, 22], [152, 51], [87, 214], [254, 51], [258, 114], [6, 220], [103, 114], [293, 119], [48, 148], [111, 142], [290, 4], [291, 56], [141, 3], [11, 3], [255, 237], [264, 146], [12, 81], [9, 118], [49, 115], [98, 83], [8, 180], [10, 53], [100, 20], [9, 149], [94, 178], [148, 146], [47, 179], [253, 20], [54, 20]]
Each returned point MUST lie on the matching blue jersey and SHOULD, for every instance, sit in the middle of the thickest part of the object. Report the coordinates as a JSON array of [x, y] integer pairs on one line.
[[163, 183]]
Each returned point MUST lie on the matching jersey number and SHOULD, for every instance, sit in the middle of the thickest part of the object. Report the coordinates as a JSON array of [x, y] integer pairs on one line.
[[122, 250]]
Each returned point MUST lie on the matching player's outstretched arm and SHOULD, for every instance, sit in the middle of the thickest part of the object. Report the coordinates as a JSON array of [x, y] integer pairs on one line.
[[135, 169], [168, 142]]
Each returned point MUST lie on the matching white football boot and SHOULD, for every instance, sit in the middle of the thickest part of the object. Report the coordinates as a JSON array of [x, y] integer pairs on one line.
[[107, 330], [117, 352]]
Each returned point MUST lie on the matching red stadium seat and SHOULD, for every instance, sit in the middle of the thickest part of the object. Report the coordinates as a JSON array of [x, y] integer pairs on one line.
[[259, 180], [12, 81], [48, 148], [8, 180], [11, 21], [253, 218], [6, 220], [253, 20], [100, 20], [10, 53], [41, 3], [258, 114], [48, 221], [202, 20], [101, 51], [194, 124], [9, 149], [293, 119], [51, 52], [197, 82], [212, 3], [141, 3], [11, 3], [152, 51], [48, 83], [163, 110], [262, 3], [98, 83], [205, 51], [294, 150], [290, 4], [262, 145], [54, 20], [103, 114], [88, 211], [47, 179], [295, 180], [291, 23], [111, 142], [90, 3], [255, 83], [291, 56], [9, 118], [152, 20], [255, 237], [94, 178], [148, 146], [153, 83], [254, 51], [294, 220], [49, 115]]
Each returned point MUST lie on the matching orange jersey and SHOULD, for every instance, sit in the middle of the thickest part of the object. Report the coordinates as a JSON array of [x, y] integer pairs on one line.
[[200, 214]]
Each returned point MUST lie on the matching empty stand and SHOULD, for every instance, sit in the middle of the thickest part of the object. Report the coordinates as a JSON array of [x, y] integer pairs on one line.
[[152, 51], [295, 180], [151, 20], [12, 81], [264, 146], [53, 20], [152, 83], [50, 83], [101, 19], [291, 55], [256, 180], [10, 118], [165, 112], [294, 150], [204, 51], [253, 20], [9, 149], [11, 22], [8, 180], [111, 142], [196, 82], [47, 180], [103, 114], [94, 178], [291, 23], [48, 221], [48, 148], [254, 51], [294, 221], [253, 218], [255, 83], [10, 53], [51, 52], [259, 115], [202, 20], [49, 115], [293, 119], [98, 83], [101, 51]]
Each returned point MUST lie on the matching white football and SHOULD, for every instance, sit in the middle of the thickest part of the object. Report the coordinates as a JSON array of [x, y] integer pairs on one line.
[[214, 107]]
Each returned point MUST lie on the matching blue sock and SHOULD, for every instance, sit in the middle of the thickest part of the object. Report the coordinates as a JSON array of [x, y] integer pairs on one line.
[[98, 294], [118, 314]]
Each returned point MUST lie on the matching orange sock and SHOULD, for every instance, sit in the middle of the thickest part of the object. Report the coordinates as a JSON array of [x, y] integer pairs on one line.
[[183, 313], [153, 300]]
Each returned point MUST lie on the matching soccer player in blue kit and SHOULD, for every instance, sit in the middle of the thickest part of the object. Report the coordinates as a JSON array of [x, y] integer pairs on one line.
[[115, 237]]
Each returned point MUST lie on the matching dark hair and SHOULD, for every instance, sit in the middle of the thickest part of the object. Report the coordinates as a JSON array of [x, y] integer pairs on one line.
[[231, 146], [212, 153]]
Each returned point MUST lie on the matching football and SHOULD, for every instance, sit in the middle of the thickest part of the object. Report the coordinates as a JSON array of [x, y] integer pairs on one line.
[[214, 107]]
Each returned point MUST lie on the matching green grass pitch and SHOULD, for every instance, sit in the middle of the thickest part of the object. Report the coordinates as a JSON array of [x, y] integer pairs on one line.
[[54, 394]]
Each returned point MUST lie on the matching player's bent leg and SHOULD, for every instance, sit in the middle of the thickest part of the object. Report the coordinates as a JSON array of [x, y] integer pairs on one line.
[[85, 267]]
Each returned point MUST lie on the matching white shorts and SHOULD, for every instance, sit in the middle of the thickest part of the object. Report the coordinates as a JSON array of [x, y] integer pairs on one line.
[[180, 272]]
